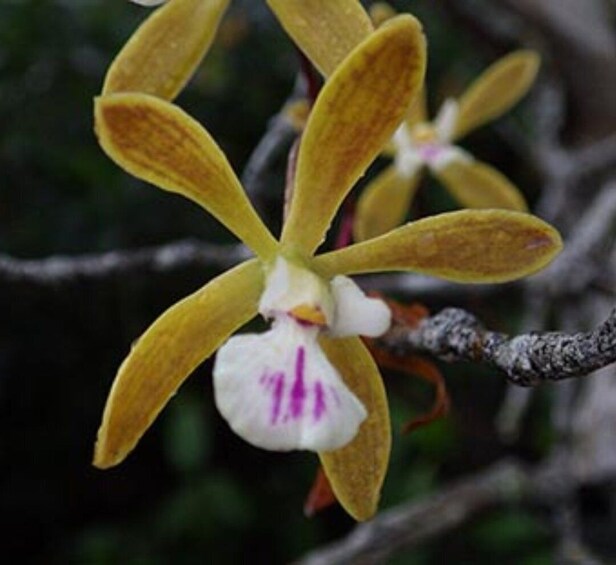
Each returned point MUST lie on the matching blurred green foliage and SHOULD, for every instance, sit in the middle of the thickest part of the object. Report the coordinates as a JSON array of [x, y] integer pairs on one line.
[[192, 492]]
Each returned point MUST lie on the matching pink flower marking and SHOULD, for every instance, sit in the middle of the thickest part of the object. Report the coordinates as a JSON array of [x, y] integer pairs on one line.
[[319, 401], [335, 395], [430, 152], [275, 384], [277, 396], [298, 392]]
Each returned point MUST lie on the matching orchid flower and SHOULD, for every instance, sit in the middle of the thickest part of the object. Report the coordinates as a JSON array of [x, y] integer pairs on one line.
[[418, 143], [308, 382]]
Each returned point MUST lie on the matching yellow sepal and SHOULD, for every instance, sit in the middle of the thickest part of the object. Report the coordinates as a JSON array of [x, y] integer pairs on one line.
[[355, 114], [167, 353], [477, 185], [158, 142], [325, 30], [471, 246], [162, 55], [384, 203], [496, 90], [356, 472]]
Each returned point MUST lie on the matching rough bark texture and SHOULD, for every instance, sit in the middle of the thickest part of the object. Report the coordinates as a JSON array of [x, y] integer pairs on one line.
[[528, 359]]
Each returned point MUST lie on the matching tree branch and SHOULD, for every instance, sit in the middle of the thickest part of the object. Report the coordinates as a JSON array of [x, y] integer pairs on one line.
[[413, 523], [416, 522], [526, 360], [59, 269]]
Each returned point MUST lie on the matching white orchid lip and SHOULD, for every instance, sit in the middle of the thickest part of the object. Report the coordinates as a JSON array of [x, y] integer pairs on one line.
[[278, 390]]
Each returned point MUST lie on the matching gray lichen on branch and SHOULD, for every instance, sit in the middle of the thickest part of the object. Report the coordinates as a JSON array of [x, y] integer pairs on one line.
[[527, 360]]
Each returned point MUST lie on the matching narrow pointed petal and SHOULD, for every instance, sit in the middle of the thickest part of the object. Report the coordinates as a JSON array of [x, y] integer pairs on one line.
[[477, 185], [384, 203], [165, 355], [357, 471], [158, 142], [496, 90], [278, 391], [325, 31], [472, 246], [162, 55], [355, 114]]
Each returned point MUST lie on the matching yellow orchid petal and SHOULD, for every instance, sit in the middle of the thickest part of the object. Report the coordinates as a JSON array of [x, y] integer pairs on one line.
[[384, 203], [355, 114], [164, 52], [496, 90], [159, 143], [473, 246], [380, 12], [165, 355], [477, 185], [356, 471], [325, 30]]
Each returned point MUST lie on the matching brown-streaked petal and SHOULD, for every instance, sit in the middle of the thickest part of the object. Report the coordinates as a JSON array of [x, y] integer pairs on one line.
[[477, 185], [496, 90], [162, 55], [325, 30], [165, 355], [356, 471], [158, 142], [355, 114], [384, 203], [471, 246]]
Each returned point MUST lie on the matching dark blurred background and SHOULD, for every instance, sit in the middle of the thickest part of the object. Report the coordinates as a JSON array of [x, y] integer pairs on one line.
[[193, 492]]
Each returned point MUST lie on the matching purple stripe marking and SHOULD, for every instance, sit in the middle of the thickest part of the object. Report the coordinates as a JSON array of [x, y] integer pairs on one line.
[[278, 379], [266, 380], [298, 392], [319, 401], [335, 395]]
